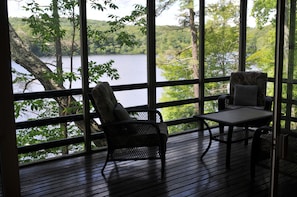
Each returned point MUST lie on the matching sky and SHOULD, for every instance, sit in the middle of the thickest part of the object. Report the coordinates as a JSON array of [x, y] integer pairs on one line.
[[169, 17], [15, 9]]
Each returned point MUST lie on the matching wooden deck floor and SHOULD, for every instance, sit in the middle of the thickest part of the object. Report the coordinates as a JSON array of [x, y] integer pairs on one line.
[[186, 174]]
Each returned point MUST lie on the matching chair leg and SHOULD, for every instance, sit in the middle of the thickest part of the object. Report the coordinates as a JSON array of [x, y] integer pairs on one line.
[[163, 160], [162, 167], [253, 165], [254, 153], [253, 169], [246, 141], [104, 165], [102, 170]]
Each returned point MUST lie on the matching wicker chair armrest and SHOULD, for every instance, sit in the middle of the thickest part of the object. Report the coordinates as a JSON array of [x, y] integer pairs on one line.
[[132, 126], [268, 103], [128, 122], [262, 130], [222, 101], [144, 114]]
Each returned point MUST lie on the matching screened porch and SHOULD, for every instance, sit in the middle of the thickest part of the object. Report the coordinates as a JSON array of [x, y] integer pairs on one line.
[[70, 165]]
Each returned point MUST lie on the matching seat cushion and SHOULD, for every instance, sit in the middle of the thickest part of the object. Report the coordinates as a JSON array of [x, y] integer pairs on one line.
[[150, 137], [145, 136], [245, 95]]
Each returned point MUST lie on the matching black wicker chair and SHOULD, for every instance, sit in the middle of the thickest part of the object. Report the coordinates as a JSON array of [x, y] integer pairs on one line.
[[246, 89], [287, 150], [133, 135]]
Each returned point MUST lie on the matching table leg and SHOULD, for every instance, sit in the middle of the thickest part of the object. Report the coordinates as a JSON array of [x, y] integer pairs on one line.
[[210, 138], [246, 141], [229, 142]]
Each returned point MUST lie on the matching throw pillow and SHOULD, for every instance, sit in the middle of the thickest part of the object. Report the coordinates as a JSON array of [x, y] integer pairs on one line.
[[122, 114], [245, 95]]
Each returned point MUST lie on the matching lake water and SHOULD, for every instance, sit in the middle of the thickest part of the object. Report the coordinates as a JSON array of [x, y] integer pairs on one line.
[[131, 68]]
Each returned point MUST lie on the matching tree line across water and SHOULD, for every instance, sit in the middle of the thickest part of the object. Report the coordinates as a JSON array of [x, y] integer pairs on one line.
[[167, 37]]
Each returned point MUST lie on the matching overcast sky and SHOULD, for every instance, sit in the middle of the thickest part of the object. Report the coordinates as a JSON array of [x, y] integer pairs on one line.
[[15, 9], [169, 17]]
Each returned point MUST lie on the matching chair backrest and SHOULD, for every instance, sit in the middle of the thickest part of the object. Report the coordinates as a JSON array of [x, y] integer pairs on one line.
[[249, 78], [105, 101]]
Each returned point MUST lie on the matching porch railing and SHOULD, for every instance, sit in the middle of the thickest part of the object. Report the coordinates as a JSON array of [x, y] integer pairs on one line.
[[100, 135]]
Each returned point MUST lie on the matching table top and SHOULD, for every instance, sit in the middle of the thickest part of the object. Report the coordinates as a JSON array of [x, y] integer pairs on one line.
[[237, 116]]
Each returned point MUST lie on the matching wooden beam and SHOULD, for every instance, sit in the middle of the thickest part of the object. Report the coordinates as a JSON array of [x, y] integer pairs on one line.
[[242, 35], [151, 53], [8, 149], [85, 72], [278, 75]]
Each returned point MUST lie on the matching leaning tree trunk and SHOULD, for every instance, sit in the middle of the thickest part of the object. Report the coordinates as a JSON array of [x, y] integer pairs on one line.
[[194, 62], [24, 57]]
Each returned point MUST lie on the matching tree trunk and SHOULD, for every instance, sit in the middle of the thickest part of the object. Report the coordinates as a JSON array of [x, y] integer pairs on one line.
[[194, 55], [22, 56], [59, 64]]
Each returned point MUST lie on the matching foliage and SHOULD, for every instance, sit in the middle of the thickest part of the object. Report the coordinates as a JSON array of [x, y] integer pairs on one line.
[[125, 35], [264, 11], [97, 71], [220, 58], [40, 109], [174, 62], [263, 52], [45, 27], [48, 32], [221, 39]]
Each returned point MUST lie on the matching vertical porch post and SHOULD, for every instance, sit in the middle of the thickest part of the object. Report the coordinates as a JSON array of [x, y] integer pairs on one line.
[[85, 72], [201, 55], [151, 53], [291, 62], [8, 147], [242, 35], [278, 75]]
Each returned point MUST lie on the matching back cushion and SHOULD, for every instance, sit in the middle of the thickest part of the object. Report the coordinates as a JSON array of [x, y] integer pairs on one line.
[[122, 114], [245, 95], [105, 101], [250, 78]]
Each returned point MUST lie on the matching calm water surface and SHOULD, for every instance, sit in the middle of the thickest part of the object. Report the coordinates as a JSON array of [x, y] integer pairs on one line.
[[131, 68]]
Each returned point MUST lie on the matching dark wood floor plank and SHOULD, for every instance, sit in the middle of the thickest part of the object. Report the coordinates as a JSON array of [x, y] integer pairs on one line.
[[186, 174]]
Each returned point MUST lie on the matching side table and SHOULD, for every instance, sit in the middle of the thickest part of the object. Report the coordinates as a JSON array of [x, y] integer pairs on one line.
[[236, 117]]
